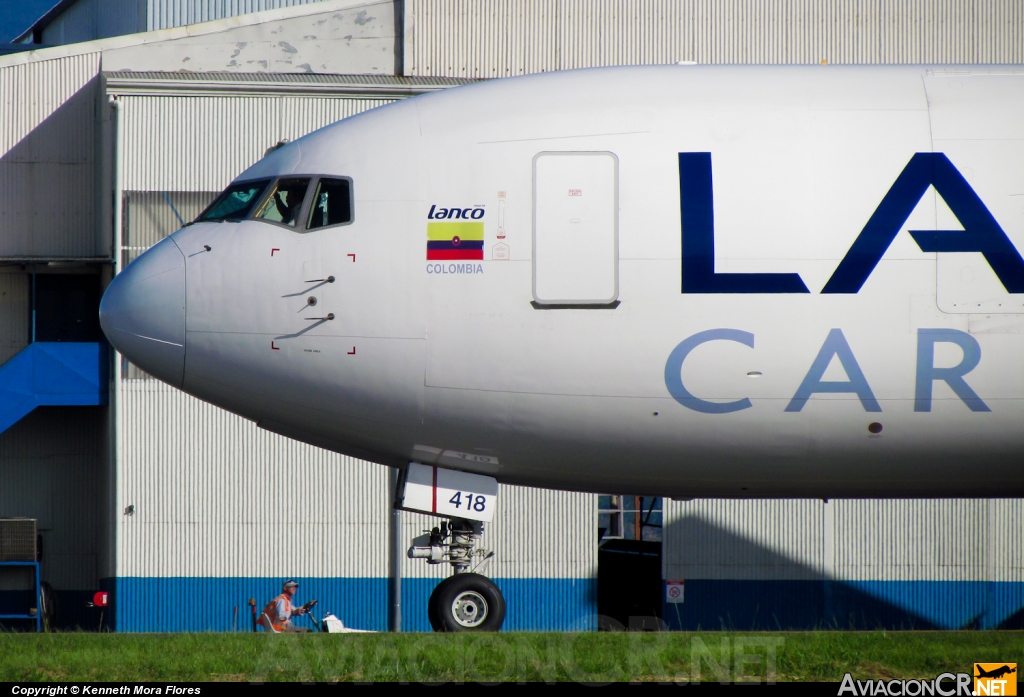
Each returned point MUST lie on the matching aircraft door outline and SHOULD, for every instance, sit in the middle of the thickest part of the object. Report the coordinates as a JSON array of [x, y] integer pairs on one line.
[[576, 229]]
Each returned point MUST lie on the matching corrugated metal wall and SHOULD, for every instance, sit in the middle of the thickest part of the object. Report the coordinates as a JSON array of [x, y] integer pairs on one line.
[[180, 143], [164, 14], [15, 328], [48, 199], [850, 563], [48, 195], [942, 540], [48, 158], [226, 510], [96, 19], [87, 20], [59, 482], [720, 538], [464, 38], [216, 496]]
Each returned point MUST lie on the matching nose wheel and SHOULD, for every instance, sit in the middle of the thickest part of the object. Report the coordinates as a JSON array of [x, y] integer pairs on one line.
[[466, 602]]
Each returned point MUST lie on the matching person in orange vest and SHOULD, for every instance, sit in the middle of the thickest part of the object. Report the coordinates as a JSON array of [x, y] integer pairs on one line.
[[279, 610]]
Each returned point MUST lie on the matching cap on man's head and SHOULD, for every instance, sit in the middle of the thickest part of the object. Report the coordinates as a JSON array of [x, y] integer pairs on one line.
[[291, 584]]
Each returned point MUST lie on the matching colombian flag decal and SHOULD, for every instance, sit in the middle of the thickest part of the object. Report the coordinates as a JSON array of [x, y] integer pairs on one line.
[[463, 240]]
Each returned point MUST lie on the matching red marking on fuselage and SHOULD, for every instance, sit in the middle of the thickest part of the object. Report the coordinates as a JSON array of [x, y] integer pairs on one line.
[[275, 249], [353, 258], [433, 502], [352, 352], [274, 348]]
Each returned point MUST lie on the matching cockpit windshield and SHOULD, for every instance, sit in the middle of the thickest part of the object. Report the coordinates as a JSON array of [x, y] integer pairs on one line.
[[284, 205], [308, 202], [236, 202]]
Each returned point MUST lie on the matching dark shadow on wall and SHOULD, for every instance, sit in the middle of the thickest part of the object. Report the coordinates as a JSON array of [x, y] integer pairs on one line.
[[52, 468], [784, 594], [1014, 621], [48, 184]]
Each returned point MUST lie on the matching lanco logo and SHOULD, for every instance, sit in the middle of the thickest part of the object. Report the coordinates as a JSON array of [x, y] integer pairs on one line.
[[995, 678], [441, 213], [460, 237]]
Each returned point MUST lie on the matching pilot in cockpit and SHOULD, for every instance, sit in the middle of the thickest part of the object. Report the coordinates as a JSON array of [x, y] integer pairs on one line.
[[285, 204], [331, 202], [288, 208]]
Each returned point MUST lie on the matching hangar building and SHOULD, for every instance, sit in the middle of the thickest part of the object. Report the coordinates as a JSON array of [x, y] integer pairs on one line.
[[120, 120]]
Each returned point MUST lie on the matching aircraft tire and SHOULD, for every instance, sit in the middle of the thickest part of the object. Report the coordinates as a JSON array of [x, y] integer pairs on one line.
[[435, 622], [467, 603]]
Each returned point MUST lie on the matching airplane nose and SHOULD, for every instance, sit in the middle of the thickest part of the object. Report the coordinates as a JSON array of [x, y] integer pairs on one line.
[[143, 312]]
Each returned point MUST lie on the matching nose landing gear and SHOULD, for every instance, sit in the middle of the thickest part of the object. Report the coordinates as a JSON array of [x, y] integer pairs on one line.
[[466, 601]]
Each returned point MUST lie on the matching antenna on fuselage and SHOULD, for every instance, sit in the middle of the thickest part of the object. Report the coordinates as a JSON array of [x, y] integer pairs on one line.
[[272, 148]]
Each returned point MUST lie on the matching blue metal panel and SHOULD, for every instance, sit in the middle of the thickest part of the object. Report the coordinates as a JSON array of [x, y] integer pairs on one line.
[[180, 604], [747, 605], [783, 605], [164, 14], [532, 604], [53, 374], [940, 604]]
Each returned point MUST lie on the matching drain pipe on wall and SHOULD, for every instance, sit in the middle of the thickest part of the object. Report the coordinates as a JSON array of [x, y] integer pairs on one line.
[[394, 555], [114, 402], [115, 109]]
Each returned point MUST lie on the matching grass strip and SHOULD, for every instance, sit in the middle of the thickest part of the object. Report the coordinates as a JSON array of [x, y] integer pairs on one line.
[[505, 657]]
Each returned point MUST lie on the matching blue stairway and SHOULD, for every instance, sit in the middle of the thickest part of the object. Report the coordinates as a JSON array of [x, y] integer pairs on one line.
[[52, 374]]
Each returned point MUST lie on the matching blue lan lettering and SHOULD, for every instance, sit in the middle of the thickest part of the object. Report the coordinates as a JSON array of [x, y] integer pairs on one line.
[[981, 232], [697, 209]]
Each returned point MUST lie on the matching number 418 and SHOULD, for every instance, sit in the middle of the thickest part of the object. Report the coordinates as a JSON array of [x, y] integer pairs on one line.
[[473, 503]]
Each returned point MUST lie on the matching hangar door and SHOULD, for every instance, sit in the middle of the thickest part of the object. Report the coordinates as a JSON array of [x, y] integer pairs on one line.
[[575, 228]]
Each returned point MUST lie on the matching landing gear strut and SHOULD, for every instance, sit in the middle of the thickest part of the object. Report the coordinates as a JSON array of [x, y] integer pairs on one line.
[[466, 601]]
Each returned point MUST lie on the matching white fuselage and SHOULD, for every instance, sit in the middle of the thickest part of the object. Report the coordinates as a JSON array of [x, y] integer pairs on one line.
[[552, 360]]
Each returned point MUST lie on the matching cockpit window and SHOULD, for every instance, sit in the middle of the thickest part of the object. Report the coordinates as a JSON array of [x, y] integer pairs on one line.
[[236, 201], [285, 204], [332, 203]]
